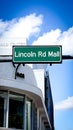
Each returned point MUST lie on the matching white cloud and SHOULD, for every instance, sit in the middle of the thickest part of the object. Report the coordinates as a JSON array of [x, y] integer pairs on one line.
[[18, 30], [22, 27], [56, 37], [25, 27], [65, 104], [48, 38]]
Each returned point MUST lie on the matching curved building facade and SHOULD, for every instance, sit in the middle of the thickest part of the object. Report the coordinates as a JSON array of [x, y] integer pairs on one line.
[[22, 103]]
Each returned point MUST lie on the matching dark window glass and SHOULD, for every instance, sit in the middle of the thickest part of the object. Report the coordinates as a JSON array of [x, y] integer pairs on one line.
[[1, 111], [34, 110], [16, 113]]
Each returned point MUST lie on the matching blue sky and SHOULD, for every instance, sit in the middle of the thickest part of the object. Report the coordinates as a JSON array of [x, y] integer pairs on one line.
[[46, 22], [61, 77]]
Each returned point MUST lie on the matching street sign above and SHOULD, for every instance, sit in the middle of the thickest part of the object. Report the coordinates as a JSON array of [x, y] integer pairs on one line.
[[37, 54]]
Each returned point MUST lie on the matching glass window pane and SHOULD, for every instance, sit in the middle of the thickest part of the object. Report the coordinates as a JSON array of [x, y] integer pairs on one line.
[[1, 111], [34, 117], [28, 115], [16, 111], [2, 108]]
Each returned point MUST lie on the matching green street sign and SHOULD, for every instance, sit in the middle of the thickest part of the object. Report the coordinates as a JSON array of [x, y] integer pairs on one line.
[[37, 54]]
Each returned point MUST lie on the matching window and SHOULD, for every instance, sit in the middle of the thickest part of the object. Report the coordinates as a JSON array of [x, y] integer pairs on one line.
[[34, 116], [1, 111], [12, 111], [2, 108], [16, 111], [28, 114]]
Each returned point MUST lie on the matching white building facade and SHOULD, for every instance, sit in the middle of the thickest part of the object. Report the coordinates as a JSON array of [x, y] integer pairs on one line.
[[22, 105]]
